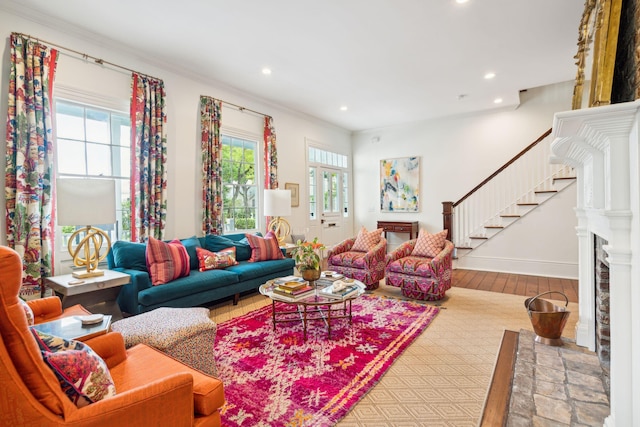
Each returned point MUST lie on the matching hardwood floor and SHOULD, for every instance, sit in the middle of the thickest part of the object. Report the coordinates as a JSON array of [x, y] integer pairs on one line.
[[516, 284]]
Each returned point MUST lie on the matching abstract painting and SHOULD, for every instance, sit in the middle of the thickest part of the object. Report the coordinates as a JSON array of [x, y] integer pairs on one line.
[[399, 184]]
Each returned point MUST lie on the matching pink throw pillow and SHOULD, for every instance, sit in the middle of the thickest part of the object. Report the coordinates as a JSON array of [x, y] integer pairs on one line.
[[366, 240], [216, 260], [429, 245], [264, 249], [166, 261], [83, 375]]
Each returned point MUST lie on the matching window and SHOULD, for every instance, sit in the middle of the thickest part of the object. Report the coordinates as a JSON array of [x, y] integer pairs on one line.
[[331, 168], [240, 187], [96, 142]]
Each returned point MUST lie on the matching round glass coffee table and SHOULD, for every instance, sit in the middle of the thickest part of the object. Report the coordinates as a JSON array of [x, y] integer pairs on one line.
[[318, 304]]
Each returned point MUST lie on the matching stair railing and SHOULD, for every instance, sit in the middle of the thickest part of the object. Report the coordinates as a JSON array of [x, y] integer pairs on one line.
[[497, 196]]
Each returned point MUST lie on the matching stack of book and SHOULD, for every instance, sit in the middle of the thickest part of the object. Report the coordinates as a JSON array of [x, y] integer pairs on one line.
[[340, 290], [293, 289]]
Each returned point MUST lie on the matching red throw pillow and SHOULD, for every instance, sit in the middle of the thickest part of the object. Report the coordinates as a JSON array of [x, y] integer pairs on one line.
[[366, 240], [166, 261], [214, 260], [429, 245], [264, 249]]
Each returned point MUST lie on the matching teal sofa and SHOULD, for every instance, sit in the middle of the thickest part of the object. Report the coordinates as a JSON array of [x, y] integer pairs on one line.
[[199, 287]]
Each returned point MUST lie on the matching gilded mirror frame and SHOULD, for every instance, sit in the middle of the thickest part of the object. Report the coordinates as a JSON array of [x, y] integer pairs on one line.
[[598, 32]]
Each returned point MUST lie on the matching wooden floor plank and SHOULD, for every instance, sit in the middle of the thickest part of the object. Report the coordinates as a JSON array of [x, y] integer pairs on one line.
[[516, 284], [499, 283], [512, 284], [543, 284]]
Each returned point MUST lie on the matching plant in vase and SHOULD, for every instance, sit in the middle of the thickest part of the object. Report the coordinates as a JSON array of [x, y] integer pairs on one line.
[[307, 258]]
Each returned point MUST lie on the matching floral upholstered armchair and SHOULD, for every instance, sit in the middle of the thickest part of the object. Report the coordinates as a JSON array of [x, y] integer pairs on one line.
[[361, 258], [421, 267]]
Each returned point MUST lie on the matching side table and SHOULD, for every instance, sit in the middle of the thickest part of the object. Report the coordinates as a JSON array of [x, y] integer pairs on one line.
[[71, 328], [97, 294]]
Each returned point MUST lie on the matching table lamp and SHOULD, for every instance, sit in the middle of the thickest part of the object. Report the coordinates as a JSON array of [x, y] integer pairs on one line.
[[277, 203], [86, 201]]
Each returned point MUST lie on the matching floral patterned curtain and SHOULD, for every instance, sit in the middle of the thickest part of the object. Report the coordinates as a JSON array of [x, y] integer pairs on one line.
[[211, 165], [29, 160], [270, 155], [149, 154]]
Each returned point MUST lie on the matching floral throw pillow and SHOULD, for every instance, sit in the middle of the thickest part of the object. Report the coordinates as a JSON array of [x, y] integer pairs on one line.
[[166, 261], [429, 245], [215, 260], [27, 312], [366, 240], [264, 249], [83, 375]]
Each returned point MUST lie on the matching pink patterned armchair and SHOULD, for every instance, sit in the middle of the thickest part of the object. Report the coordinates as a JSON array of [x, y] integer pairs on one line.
[[420, 278], [367, 267]]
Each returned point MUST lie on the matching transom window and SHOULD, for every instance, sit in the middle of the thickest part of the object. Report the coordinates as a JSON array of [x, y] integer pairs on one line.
[[240, 195]]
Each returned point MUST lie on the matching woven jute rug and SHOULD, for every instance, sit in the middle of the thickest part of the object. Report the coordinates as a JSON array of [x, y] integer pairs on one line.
[[275, 378]]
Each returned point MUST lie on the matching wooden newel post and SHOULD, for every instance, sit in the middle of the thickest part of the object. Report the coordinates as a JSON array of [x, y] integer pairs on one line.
[[447, 218]]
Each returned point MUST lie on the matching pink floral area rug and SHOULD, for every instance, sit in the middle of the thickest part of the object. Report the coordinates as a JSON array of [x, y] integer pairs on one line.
[[275, 378]]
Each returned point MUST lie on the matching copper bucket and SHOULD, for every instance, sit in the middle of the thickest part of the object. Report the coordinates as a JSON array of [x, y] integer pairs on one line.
[[548, 319]]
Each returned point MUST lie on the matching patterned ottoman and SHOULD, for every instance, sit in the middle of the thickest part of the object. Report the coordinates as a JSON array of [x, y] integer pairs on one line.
[[184, 333]]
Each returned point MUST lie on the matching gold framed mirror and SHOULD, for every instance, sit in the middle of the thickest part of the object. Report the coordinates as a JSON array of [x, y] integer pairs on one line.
[[598, 34]]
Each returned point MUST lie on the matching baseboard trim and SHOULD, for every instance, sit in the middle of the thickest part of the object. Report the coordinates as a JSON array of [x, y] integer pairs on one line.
[[562, 270]]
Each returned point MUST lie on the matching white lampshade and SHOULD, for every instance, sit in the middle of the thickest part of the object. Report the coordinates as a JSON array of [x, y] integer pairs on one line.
[[277, 202], [85, 201]]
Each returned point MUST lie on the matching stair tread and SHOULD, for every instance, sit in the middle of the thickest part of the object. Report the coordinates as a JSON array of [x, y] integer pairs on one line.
[[545, 191], [478, 237], [510, 216], [527, 204], [494, 226], [464, 247], [564, 177]]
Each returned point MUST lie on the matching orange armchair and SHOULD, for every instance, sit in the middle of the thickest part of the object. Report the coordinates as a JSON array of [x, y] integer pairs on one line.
[[151, 387]]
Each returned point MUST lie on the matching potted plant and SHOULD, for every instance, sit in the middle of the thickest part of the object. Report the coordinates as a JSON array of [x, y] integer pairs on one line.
[[307, 258]]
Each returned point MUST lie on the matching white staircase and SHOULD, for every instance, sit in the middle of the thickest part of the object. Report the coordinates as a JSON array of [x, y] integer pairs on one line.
[[519, 187]]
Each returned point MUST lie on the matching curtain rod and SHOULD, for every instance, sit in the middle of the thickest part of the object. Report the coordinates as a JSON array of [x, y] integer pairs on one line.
[[85, 56], [241, 108]]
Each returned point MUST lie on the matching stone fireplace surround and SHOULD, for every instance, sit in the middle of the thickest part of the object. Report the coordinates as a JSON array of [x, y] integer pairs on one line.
[[602, 145]]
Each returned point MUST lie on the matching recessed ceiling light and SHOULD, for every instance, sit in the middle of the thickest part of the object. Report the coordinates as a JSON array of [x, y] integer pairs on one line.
[[266, 71], [497, 101], [461, 1], [343, 108], [489, 76]]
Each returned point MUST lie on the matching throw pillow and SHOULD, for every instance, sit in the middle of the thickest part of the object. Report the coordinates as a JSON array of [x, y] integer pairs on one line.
[[166, 261], [129, 255], [366, 240], [214, 260], [83, 375], [429, 245], [264, 248], [192, 244], [215, 243], [28, 313]]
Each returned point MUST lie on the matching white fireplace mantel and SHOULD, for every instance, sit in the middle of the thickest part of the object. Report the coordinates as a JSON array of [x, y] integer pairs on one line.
[[601, 144]]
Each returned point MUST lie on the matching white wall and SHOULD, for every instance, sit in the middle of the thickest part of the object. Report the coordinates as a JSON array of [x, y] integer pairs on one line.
[[183, 93], [456, 154]]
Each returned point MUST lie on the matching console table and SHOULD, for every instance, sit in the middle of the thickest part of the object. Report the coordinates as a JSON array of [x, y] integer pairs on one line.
[[410, 227]]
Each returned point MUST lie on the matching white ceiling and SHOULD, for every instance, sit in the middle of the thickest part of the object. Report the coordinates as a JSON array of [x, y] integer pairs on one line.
[[388, 61]]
